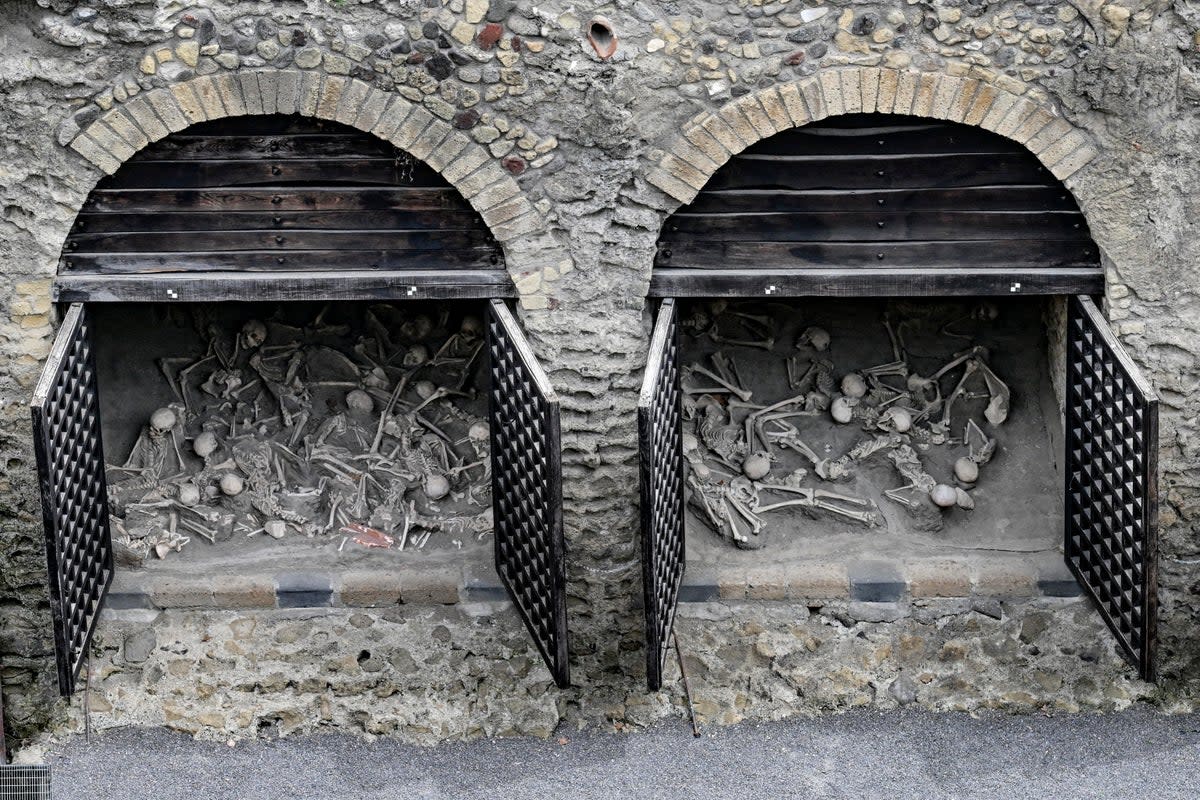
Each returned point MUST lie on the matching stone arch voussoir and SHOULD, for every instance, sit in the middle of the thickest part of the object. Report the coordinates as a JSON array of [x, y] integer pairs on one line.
[[710, 139], [117, 135]]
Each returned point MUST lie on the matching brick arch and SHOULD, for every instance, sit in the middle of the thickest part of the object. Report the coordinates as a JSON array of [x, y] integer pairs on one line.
[[710, 139], [534, 256]]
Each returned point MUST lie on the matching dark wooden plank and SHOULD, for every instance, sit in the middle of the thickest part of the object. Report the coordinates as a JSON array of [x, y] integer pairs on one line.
[[894, 136], [268, 172], [865, 226], [1034, 197], [282, 221], [993, 254], [877, 172], [873, 282], [295, 260], [236, 241], [281, 198], [323, 146], [348, 285]]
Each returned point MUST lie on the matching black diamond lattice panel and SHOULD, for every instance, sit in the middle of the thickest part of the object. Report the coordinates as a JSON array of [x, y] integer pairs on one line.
[[66, 426], [527, 488], [661, 451], [1111, 492]]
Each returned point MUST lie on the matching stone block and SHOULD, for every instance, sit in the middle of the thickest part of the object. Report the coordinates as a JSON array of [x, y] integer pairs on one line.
[[1007, 115], [498, 215], [352, 100], [309, 94], [719, 129], [1003, 578], [303, 590], [1070, 163], [447, 150], [980, 105], [167, 108], [107, 138], [492, 182], [940, 578], [772, 103], [831, 92], [413, 126], [370, 588], [330, 96], [372, 110], [430, 139], [126, 128], [521, 226], [818, 580], [188, 102], [287, 92], [963, 100], [943, 97], [906, 91], [172, 591], [685, 172], [210, 97], [230, 89], [852, 102], [432, 585], [1058, 130], [251, 95], [693, 155], [1033, 125], [143, 114], [873, 581], [926, 91], [793, 101], [811, 89], [469, 160], [869, 88], [737, 122], [889, 80], [1003, 103], [396, 112], [767, 583], [244, 591], [703, 141], [672, 186]]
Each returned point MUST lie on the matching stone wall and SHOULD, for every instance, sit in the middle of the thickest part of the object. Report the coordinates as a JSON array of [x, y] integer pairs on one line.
[[575, 160]]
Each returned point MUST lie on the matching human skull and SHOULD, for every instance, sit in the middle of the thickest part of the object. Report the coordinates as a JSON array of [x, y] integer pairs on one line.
[[205, 444], [966, 470], [853, 385], [816, 338], [897, 419], [436, 487], [471, 329], [417, 355], [189, 494], [478, 433], [231, 484], [162, 420], [425, 389], [359, 402], [842, 410], [253, 334], [756, 466], [943, 496]]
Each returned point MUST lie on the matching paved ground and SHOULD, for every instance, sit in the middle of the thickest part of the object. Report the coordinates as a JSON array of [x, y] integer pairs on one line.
[[1134, 754]]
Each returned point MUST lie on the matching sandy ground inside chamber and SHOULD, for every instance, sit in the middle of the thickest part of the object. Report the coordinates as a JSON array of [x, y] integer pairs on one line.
[[348, 465], [1017, 498]]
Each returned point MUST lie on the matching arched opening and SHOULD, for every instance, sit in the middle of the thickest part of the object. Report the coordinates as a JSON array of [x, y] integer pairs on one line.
[[876, 358], [287, 378]]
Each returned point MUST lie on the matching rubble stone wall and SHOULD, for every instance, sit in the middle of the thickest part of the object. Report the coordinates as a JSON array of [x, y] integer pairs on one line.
[[575, 157]]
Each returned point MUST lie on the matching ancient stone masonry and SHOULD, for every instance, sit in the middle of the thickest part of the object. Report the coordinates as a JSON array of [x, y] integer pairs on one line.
[[575, 129]]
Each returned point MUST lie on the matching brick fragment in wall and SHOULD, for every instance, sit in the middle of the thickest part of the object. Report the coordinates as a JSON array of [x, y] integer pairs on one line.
[[851, 91]]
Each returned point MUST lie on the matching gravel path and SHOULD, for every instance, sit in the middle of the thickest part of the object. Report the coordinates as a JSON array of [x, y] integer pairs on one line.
[[1138, 753]]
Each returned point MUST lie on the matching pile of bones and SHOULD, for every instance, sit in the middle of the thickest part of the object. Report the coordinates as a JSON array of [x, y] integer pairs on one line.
[[734, 443], [363, 431]]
